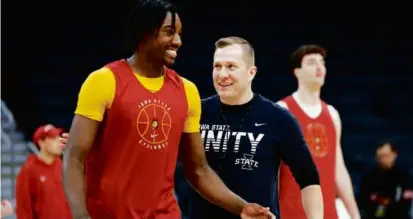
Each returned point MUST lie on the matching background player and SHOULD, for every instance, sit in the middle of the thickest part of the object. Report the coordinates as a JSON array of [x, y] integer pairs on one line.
[[39, 189], [245, 136], [129, 119], [321, 126]]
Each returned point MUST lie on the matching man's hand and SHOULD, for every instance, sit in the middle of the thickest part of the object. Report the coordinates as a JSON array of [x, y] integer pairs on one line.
[[6, 208], [408, 194], [254, 211], [63, 139]]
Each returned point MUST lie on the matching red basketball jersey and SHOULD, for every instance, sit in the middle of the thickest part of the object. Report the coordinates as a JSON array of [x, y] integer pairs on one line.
[[320, 136], [130, 169]]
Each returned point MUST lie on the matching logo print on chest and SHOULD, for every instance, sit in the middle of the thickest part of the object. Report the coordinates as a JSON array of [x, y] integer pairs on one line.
[[316, 138], [154, 124], [216, 138]]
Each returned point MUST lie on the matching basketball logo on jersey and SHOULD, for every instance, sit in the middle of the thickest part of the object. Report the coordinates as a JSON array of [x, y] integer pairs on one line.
[[154, 124], [316, 138]]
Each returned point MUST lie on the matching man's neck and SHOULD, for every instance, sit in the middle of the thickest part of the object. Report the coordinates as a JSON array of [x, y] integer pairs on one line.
[[242, 99], [45, 157], [307, 95], [141, 65]]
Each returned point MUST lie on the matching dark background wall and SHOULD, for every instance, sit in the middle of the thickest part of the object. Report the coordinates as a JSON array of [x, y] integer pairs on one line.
[[49, 48]]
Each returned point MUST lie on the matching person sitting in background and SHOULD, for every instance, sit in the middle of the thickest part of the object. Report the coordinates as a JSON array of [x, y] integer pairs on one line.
[[385, 191], [39, 187]]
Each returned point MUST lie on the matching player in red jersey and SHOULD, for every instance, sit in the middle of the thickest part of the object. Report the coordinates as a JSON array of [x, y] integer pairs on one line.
[[131, 116], [321, 126]]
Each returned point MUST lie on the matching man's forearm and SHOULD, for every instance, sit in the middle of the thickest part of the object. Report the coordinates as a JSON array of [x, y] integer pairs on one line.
[[312, 200], [345, 192], [211, 187], [75, 187]]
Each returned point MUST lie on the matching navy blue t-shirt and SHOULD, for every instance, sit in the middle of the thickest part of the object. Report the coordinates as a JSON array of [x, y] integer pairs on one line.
[[244, 145]]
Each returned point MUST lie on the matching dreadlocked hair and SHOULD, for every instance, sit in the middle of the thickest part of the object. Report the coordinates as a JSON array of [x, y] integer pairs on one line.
[[145, 20]]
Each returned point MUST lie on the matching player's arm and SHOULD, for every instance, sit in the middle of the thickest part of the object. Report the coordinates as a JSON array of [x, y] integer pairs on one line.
[[81, 137], [294, 152], [197, 170], [343, 181], [306, 192], [91, 106], [23, 195]]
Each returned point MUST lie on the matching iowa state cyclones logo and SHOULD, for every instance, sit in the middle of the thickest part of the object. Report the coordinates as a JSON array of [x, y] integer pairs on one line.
[[316, 138], [154, 124]]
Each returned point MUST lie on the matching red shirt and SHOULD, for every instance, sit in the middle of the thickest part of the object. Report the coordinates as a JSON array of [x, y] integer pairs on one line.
[[320, 135], [130, 169], [39, 191]]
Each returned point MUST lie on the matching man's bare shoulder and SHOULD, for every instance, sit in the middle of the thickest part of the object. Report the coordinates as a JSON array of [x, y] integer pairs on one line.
[[333, 112]]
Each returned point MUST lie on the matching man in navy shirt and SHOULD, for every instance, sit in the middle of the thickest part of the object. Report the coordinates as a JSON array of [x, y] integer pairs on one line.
[[246, 136]]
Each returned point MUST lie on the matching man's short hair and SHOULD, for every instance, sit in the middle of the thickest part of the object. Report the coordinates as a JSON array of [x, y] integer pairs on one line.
[[384, 142], [245, 45], [298, 55]]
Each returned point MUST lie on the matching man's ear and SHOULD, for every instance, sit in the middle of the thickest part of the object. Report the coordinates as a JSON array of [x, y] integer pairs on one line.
[[251, 73]]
